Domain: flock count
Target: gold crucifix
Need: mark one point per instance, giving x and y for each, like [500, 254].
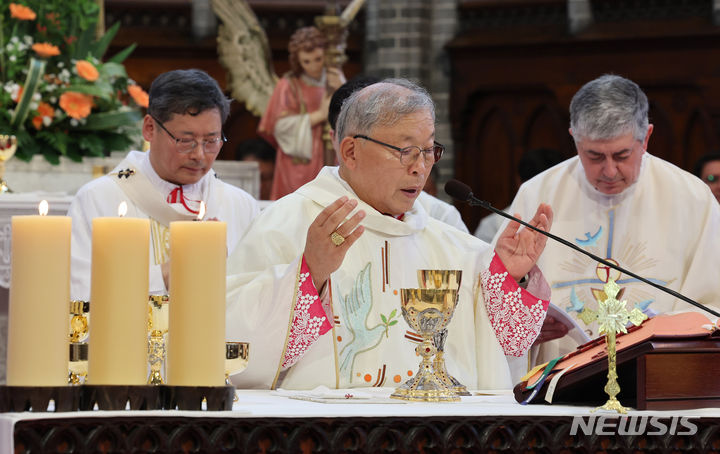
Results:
[612, 316]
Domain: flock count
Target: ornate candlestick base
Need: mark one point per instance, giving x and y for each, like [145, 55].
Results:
[78, 363]
[158, 310]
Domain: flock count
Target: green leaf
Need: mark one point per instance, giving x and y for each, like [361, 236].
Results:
[392, 314]
[100, 47]
[394, 322]
[99, 89]
[384, 320]
[111, 69]
[91, 143]
[123, 54]
[82, 46]
[110, 120]
[35, 73]
[116, 142]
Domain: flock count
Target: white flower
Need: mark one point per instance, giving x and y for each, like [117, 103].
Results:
[13, 58]
[74, 122]
[47, 121]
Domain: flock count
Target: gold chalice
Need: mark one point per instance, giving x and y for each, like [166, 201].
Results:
[427, 311]
[78, 363]
[443, 279]
[8, 146]
[158, 320]
[237, 355]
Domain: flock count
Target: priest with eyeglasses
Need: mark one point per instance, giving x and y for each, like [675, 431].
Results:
[167, 183]
[314, 285]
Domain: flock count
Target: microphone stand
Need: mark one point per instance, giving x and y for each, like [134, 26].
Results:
[474, 201]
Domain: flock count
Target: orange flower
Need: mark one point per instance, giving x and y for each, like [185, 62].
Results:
[21, 12]
[138, 95]
[44, 110]
[86, 70]
[45, 50]
[76, 105]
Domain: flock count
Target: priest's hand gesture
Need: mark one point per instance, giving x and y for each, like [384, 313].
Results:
[329, 237]
[520, 247]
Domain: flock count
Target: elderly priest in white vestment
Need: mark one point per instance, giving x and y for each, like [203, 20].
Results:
[183, 124]
[618, 201]
[314, 285]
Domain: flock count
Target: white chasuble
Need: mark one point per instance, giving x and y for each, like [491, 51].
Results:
[360, 338]
[135, 182]
[665, 228]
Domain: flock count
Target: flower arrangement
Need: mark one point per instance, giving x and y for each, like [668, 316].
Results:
[56, 94]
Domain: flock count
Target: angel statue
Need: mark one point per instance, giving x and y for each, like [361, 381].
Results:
[293, 108]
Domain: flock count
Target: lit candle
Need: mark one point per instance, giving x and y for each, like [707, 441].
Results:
[117, 351]
[196, 333]
[37, 345]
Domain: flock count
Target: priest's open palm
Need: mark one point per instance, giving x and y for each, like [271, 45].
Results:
[329, 237]
[520, 247]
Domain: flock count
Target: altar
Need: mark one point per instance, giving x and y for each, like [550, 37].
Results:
[267, 421]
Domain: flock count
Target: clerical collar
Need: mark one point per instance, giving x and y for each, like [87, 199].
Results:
[193, 191]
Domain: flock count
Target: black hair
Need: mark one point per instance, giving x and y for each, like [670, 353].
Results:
[186, 92]
[704, 159]
[256, 147]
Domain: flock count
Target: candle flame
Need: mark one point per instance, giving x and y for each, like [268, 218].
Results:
[43, 208]
[122, 209]
[201, 212]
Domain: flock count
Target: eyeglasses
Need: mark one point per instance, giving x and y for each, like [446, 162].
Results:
[408, 155]
[187, 145]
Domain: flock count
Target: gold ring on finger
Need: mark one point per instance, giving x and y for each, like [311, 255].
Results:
[336, 238]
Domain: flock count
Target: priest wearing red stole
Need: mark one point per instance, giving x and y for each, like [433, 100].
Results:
[314, 285]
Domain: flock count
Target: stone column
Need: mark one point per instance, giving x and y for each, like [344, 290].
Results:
[406, 38]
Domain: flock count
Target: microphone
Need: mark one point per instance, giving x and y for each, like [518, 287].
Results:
[462, 192]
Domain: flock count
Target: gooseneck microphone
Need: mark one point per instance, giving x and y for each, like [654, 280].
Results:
[463, 193]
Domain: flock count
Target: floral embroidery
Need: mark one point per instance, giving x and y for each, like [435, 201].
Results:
[515, 314]
[309, 319]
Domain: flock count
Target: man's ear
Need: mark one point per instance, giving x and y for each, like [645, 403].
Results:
[148, 128]
[348, 152]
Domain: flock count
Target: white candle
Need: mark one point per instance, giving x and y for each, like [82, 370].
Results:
[196, 334]
[117, 351]
[39, 301]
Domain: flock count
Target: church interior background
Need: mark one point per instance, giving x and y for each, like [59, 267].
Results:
[502, 72]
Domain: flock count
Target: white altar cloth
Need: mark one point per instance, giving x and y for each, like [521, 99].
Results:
[268, 404]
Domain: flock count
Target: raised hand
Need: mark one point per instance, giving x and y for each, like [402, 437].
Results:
[519, 248]
[329, 237]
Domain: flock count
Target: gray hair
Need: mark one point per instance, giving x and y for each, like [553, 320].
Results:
[383, 103]
[608, 107]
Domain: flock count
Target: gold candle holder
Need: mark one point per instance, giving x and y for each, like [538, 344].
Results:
[158, 316]
[443, 279]
[78, 363]
[427, 311]
[78, 334]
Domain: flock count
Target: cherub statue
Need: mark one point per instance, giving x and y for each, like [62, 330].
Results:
[294, 108]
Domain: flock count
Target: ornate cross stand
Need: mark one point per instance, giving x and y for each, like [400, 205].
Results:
[612, 317]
